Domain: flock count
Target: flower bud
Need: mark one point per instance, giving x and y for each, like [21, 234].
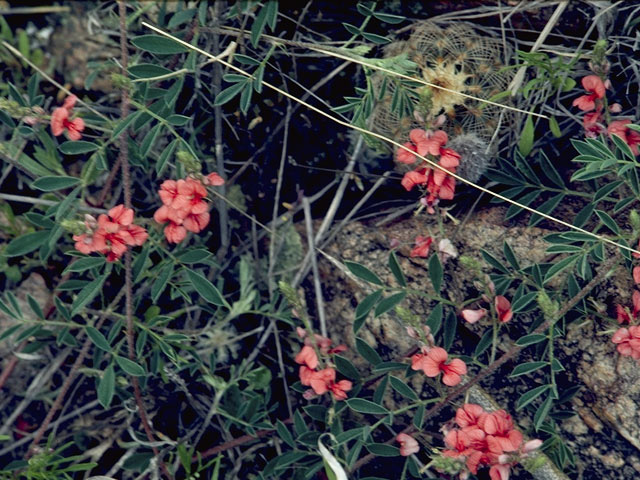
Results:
[74, 226]
[549, 308]
[191, 164]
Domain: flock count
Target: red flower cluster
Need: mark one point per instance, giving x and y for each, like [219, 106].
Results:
[185, 206]
[324, 380]
[432, 361]
[595, 88]
[593, 119]
[439, 185]
[111, 234]
[60, 120]
[486, 439]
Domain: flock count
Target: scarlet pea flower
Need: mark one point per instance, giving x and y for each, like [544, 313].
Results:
[630, 137]
[469, 415]
[636, 275]
[421, 248]
[413, 178]
[190, 197]
[119, 216]
[408, 444]
[214, 180]
[596, 89]
[339, 389]
[465, 443]
[435, 361]
[628, 342]
[432, 143]
[472, 316]
[196, 222]
[622, 313]
[439, 183]
[500, 472]
[592, 123]
[406, 157]
[501, 435]
[323, 381]
[307, 356]
[173, 232]
[60, 120]
[503, 309]
[486, 439]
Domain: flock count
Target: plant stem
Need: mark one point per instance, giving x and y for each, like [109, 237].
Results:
[494, 342]
[123, 158]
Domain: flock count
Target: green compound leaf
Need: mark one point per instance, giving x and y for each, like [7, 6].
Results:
[346, 368]
[229, 93]
[367, 352]
[383, 450]
[435, 272]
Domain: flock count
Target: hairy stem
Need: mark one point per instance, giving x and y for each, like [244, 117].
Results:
[123, 159]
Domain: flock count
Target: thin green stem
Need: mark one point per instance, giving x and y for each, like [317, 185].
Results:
[494, 342]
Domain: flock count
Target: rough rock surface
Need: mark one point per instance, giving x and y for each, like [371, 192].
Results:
[604, 431]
